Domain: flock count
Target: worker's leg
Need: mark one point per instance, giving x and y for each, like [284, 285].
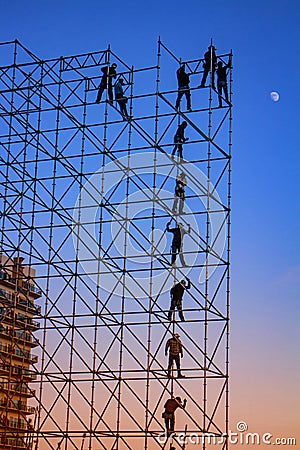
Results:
[171, 358]
[205, 73]
[110, 94]
[100, 92]
[188, 98]
[172, 309]
[179, 307]
[179, 146]
[125, 109]
[174, 209]
[181, 257]
[172, 423]
[177, 361]
[167, 425]
[174, 149]
[226, 92]
[181, 203]
[220, 94]
[120, 105]
[179, 97]
[213, 78]
[174, 252]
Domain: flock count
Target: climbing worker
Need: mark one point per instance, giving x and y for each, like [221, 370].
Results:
[121, 99]
[179, 193]
[109, 72]
[210, 64]
[174, 345]
[177, 292]
[177, 241]
[180, 139]
[169, 413]
[222, 81]
[183, 80]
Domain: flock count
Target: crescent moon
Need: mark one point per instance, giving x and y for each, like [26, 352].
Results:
[274, 96]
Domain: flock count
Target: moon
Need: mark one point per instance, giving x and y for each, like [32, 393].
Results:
[274, 96]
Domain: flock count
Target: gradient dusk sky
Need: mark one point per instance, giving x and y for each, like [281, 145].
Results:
[265, 39]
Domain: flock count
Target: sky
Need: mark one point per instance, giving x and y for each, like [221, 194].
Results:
[264, 37]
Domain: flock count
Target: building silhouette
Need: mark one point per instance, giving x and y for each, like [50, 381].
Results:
[17, 309]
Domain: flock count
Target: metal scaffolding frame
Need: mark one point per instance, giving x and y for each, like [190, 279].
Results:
[86, 198]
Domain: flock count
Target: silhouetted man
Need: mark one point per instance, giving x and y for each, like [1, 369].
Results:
[179, 139]
[183, 87]
[177, 241]
[222, 81]
[121, 99]
[179, 193]
[109, 72]
[169, 414]
[177, 292]
[210, 64]
[175, 348]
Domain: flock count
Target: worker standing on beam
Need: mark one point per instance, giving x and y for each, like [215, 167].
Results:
[177, 292]
[175, 348]
[177, 241]
[109, 72]
[179, 193]
[120, 97]
[183, 79]
[222, 81]
[209, 65]
[180, 139]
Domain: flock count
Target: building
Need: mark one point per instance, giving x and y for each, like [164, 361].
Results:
[17, 309]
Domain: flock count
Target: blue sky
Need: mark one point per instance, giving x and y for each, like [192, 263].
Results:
[264, 37]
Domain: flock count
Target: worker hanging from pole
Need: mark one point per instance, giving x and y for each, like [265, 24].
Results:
[177, 241]
[177, 292]
[180, 139]
[169, 413]
[222, 81]
[179, 193]
[121, 98]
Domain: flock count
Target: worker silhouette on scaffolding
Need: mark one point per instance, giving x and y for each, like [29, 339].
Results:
[180, 139]
[175, 348]
[210, 64]
[177, 292]
[222, 81]
[109, 72]
[183, 79]
[179, 193]
[121, 98]
[169, 413]
[177, 241]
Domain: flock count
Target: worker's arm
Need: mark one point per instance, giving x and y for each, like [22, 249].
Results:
[188, 286]
[181, 349]
[167, 346]
[181, 405]
[168, 227]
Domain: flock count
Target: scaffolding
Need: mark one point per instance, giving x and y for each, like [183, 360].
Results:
[87, 195]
